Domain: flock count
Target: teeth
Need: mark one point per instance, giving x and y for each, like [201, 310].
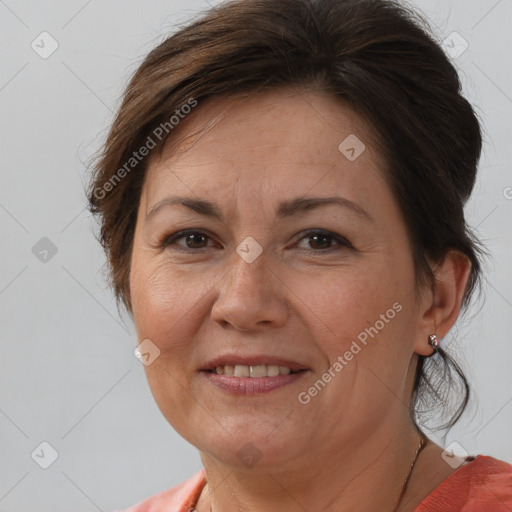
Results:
[262, 370]
[241, 371]
[272, 370]
[258, 371]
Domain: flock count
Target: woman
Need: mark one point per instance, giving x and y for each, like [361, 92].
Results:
[281, 202]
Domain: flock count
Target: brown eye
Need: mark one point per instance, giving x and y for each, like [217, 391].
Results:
[196, 240]
[192, 240]
[320, 241]
[324, 241]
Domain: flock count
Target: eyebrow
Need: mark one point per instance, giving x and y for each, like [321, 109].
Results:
[286, 208]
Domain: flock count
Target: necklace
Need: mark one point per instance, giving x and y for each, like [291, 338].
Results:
[407, 478]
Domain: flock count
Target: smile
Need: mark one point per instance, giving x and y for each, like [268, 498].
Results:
[254, 371]
[252, 380]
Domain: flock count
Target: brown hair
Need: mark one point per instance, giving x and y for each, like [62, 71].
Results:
[375, 55]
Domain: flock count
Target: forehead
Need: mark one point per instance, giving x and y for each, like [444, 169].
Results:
[277, 140]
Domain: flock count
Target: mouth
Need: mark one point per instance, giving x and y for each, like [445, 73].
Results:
[252, 376]
[253, 371]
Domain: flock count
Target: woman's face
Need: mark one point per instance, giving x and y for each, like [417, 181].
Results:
[264, 274]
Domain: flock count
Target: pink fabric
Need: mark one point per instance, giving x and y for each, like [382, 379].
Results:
[181, 498]
[483, 485]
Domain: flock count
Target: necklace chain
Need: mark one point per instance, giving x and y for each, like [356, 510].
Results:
[407, 478]
[409, 473]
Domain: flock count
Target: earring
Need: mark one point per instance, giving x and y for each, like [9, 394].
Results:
[433, 341]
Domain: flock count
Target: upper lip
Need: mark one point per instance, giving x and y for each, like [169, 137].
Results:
[255, 360]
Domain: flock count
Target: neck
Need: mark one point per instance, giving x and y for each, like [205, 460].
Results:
[365, 476]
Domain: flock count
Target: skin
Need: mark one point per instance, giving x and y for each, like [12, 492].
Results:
[351, 446]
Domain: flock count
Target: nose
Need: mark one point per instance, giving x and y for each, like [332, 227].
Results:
[251, 296]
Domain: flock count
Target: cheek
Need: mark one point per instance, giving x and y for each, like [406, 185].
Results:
[362, 314]
[348, 300]
[165, 311]
[166, 302]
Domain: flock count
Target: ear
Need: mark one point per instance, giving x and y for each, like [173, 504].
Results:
[440, 307]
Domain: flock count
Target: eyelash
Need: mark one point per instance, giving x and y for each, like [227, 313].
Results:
[342, 242]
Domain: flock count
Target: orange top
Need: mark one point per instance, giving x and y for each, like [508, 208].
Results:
[483, 485]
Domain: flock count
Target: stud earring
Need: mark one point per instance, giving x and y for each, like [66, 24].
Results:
[433, 341]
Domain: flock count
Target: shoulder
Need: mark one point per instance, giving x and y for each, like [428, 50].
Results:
[181, 498]
[483, 485]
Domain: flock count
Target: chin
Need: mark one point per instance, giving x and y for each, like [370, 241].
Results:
[248, 444]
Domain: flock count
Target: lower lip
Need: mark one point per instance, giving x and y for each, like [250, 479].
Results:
[252, 385]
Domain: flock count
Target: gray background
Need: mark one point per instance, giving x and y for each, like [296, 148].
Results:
[68, 375]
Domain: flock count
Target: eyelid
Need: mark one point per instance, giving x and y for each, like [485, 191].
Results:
[341, 240]
[168, 240]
